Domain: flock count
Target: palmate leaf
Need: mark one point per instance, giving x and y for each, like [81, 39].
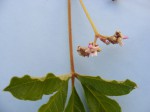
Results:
[110, 88]
[97, 102]
[74, 104]
[27, 88]
[57, 101]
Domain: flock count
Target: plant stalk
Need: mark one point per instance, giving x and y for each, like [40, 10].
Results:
[89, 18]
[70, 43]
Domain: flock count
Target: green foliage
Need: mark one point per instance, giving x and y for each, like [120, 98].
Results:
[96, 91]
[74, 104]
[56, 102]
[97, 102]
[110, 88]
[27, 88]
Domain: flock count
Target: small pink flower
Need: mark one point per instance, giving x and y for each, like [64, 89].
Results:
[125, 37]
[107, 42]
[104, 40]
[89, 46]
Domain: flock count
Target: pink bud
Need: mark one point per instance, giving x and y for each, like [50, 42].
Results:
[90, 46]
[107, 41]
[125, 37]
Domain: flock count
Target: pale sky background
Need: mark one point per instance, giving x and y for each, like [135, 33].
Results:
[34, 40]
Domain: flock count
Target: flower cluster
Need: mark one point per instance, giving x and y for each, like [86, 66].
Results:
[115, 39]
[91, 50]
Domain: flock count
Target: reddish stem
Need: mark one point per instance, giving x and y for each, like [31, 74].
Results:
[70, 43]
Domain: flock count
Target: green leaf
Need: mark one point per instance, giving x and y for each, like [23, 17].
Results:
[110, 88]
[27, 88]
[74, 104]
[97, 102]
[56, 102]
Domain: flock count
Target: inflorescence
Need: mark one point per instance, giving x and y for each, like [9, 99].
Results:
[93, 48]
